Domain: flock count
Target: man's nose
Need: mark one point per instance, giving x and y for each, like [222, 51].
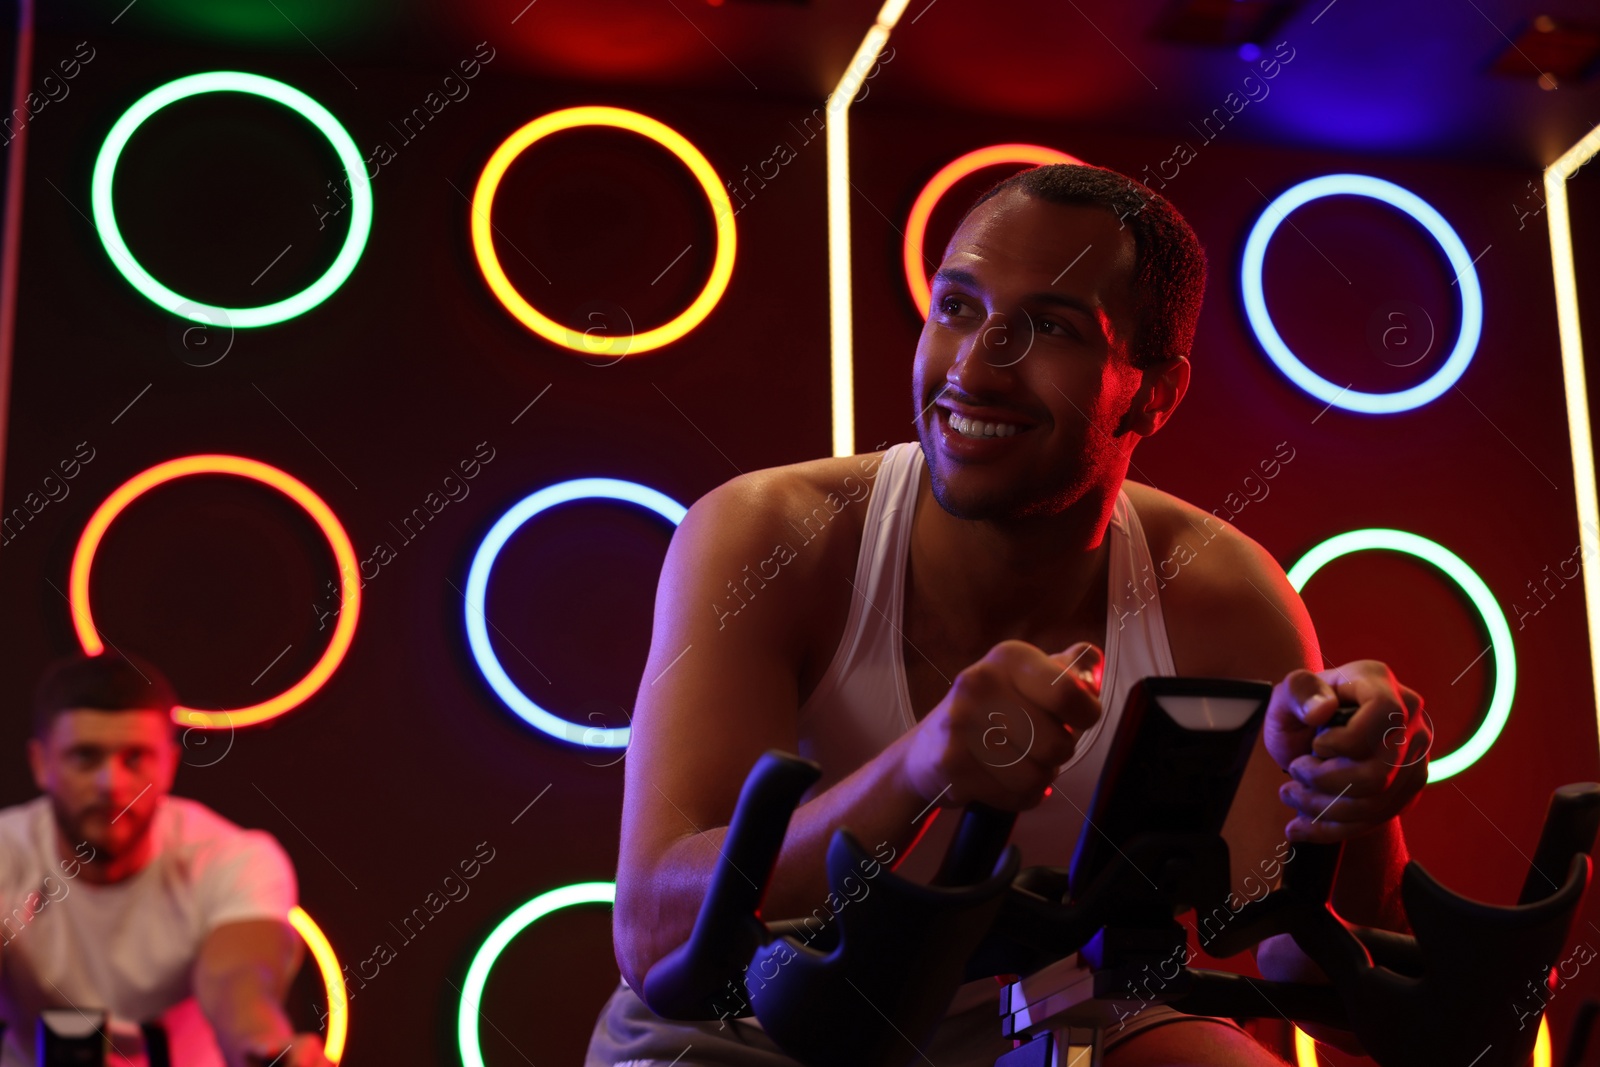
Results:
[986, 354]
[115, 780]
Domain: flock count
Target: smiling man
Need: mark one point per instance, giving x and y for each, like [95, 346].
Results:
[971, 632]
[120, 898]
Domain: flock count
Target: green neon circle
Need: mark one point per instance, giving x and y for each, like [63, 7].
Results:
[231, 81]
[1494, 620]
[496, 942]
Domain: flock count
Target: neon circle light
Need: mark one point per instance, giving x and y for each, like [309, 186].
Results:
[541, 324]
[345, 556]
[512, 925]
[1255, 301]
[940, 183]
[229, 81]
[332, 981]
[1494, 620]
[478, 585]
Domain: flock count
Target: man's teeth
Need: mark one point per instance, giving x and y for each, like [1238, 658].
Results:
[974, 428]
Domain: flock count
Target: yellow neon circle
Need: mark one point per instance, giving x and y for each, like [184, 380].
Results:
[552, 331]
[940, 183]
[344, 554]
[332, 982]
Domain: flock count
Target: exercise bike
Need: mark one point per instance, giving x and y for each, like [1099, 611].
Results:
[1081, 944]
[73, 1038]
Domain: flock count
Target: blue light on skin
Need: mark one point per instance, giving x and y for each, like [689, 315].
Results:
[1466, 278]
[478, 586]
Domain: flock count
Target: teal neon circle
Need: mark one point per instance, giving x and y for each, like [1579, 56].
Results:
[1494, 620]
[512, 925]
[230, 81]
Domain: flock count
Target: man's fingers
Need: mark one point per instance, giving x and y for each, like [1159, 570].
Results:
[1066, 685]
[1351, 811]
[1338, 774]
[1083, 660]
[1311, 697]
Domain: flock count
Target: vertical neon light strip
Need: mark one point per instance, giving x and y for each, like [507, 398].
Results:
[1578, 429]
[837, 108]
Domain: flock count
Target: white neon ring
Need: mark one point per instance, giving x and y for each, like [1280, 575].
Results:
[478, 586]
[1255, 302]
[1476, 590]
[232, 81]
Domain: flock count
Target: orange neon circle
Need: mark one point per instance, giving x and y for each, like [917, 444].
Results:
[332, 982]
[940, 183]
[294, 489]
[588, 342]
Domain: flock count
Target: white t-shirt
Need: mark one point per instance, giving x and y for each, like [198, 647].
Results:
[127, 948]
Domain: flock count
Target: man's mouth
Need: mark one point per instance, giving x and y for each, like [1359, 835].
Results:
[978, 428]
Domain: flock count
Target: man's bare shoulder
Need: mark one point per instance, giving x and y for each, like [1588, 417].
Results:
[816, 501]
[1223, 595]
[1194, 539]
[812, 509]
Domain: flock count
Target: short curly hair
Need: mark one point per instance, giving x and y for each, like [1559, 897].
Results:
[107, 682]
[1169, 281]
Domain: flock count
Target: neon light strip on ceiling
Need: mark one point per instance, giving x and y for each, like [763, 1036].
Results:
[590, 342]
[1494, 620]
[332, 982]
[840, 323]
[230, 81]
[344, 555]
[478, 588]
[1466, 278]
[1579, 432]
[952, 172]
[483, 960]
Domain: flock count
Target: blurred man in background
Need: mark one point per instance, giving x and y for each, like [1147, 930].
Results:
[119, 898]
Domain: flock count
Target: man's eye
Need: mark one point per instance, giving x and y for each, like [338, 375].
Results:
[950, 306]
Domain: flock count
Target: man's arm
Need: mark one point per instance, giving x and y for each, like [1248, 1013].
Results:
[1238, 617]
[240, 979]
[721, 686]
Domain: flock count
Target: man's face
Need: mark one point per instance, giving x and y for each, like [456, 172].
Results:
[105, 773]
[1028, 328]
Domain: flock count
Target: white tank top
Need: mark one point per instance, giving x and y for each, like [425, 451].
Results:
[863, 703]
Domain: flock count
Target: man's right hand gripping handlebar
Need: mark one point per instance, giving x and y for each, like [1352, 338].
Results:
[1006, 727]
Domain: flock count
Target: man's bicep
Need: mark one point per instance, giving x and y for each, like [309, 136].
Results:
[721, 682]
[1246, 621]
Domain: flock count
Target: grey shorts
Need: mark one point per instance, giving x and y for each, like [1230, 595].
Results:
[628, 1034]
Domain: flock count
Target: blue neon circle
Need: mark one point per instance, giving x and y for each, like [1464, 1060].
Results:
[1255, 302]
[478, 585]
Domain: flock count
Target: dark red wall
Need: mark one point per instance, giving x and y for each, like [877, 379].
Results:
[406, 761]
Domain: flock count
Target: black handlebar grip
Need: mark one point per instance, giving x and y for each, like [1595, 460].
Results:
[156, 1050]
[979, 840]
[685, 983]
[1570, 826]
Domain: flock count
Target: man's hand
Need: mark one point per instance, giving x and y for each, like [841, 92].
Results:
[305, 1051]
[1003, 731]
[1348, 780]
